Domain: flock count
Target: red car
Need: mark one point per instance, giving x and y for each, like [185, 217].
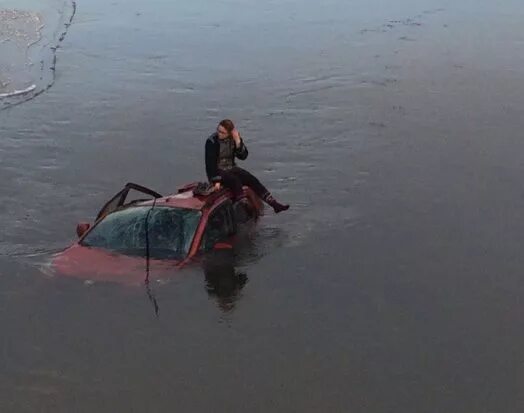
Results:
[155, 233]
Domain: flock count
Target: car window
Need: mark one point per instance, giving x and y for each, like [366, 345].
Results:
[220, 226]
[169, 231]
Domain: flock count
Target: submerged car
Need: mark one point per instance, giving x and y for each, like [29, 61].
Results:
[155, 233]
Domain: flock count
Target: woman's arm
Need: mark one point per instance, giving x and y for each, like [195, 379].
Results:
[240, 148]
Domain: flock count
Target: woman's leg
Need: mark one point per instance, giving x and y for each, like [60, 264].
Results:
[252, 181]
[233, 182]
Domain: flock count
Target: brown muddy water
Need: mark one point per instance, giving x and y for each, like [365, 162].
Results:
[394, 284]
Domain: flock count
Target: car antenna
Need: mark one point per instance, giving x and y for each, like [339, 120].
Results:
[149, 292]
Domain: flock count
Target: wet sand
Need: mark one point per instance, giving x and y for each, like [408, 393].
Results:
[31, 32]
[392, 285]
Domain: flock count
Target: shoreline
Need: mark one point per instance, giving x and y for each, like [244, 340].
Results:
[42, 61]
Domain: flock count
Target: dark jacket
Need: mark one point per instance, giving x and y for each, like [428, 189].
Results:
[212, 153]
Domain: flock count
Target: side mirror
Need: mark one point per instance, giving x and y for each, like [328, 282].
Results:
[222, 246]
[82, 228]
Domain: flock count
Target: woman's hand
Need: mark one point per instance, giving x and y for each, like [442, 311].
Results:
[236, 137]
[217, 186]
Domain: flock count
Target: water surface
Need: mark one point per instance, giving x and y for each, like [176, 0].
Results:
[392, 285]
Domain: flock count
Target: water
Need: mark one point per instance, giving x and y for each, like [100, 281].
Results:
[392, 285]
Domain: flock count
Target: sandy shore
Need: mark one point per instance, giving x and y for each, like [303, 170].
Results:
[30, 33]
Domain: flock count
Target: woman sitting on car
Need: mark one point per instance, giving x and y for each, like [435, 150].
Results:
[222, 147]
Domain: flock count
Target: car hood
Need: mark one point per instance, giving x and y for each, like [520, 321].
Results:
[95, 264]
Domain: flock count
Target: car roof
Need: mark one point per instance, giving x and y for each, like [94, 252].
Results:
[185, 198]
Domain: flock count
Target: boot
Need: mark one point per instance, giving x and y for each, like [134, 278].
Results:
[277, 206]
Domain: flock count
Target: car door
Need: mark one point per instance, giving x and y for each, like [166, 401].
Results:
[130, 193]
[243, 213]
[220, 226]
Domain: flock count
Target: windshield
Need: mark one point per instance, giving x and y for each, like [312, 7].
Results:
[170, 232]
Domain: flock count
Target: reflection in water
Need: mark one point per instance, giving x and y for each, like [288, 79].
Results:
[223, 281]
